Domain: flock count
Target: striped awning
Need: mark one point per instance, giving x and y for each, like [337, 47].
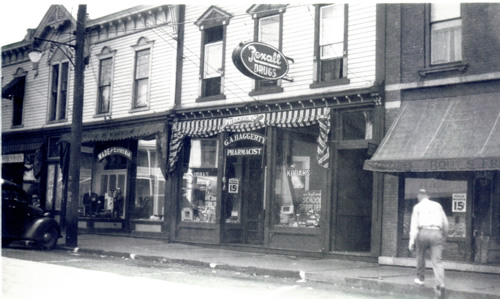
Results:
[289, 119]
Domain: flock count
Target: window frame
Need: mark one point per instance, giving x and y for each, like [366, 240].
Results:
[431, 23]
[442, 68]
[317, 82]
[258, 87]
[105, 54]
[213, 17]
[143, 44]
[202, 97]
[57, 107]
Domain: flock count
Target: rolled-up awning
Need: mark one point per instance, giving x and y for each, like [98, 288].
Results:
[121, 133]
[15, 88]
[443, 134]
[288, 119]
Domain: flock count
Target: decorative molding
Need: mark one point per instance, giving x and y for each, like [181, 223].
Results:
[444, 81]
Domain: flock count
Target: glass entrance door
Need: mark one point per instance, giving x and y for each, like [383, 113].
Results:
[245, 196]
[243, 189]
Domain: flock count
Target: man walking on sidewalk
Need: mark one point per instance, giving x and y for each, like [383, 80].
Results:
[428, 230]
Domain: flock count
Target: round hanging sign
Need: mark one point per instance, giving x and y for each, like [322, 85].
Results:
[260, 61]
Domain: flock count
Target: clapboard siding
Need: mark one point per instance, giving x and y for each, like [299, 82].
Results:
[162, 74]
[298, 43]
[162, 77]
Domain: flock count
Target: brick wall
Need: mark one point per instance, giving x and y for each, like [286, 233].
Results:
[390, 202]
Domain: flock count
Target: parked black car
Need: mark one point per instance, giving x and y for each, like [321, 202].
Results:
[23, 221]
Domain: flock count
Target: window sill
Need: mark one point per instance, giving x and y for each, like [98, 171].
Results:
[135, 110]
[102, 115]
[263, 91]
[17, 126]
[51, 122]
[340, 81]
[441, 69]
[211, 98]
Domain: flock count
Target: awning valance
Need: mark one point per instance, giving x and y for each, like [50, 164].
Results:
[14, 88]
[121, 133]
[443, 134]
[247, 123]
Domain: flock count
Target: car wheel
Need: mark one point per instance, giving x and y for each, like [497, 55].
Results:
[49, 238]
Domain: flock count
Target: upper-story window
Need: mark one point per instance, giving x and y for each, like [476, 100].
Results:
[212, 62]
[142, 73]
[446, 33]
[105, 82]
[330, 45]
[268, 29]
[213, 43]
[14, 90]
[58, 91]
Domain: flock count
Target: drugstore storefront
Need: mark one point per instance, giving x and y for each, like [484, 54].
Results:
[270, 179]
[122, 183]
[449, 146]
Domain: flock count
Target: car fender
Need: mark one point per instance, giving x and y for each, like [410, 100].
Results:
[39, 226]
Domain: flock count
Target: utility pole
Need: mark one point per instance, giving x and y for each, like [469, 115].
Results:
[76, 133]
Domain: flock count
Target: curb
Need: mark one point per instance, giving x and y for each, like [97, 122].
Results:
[347, 282]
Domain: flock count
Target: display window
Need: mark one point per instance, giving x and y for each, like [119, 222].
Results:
[53, 199]
[299, 179]
[150, 185]
[199, 182]
[450, 192]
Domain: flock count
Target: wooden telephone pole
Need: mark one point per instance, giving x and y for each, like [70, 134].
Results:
[76, 133]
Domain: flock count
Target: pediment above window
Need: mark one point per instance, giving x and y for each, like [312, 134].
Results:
[214, 16]
[262, 10]
[58, 56]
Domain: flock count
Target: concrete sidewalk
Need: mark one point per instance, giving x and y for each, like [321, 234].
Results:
[371, 276]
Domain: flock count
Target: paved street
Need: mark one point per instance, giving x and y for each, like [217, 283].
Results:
[59, 274]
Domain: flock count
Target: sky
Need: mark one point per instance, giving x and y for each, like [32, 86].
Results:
[16, 16]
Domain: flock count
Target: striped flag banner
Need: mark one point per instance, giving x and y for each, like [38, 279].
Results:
[284, 119]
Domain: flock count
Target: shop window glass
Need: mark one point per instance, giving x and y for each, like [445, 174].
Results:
[54, 188]
[88, 198]
[149, 197]
[109, 185]
[299, 179]
[30, 182]
[199, 182]
[450, 193]
[357, 125]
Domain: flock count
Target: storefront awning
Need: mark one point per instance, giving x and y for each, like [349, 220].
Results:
[442, 134]
[127, 132]
[247, 123]
[14, 88]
